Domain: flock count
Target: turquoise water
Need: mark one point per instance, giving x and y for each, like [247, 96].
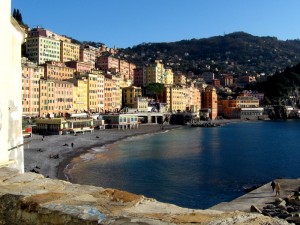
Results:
[197, 167]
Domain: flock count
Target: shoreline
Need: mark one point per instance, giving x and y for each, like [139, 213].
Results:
[37, 151]
[50, 155]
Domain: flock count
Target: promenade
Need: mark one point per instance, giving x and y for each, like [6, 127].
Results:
[259, 197]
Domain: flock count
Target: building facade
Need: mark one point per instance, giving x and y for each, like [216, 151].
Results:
[11, 144]
[58, 71]
[210, 102]
[42, 45]
[153, 73]
[69, 51]
[131, 95]
[31, 74]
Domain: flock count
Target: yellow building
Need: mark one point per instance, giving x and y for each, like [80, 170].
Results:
[95, 90]
[179, 79]
[69, 51]
[47, 89]
[193, 99]
[56, 97]
[130, 96]
[154, 73]
[91, 91]
[175, 98]
[80, 94]
[169, 77]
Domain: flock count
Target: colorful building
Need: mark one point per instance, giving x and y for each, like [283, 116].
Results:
[154, 73]
[210, 102]
[81, 67]
[168, 76]
[112, 93]
[31, 74]
[69, 51]
[179, 79]
[58, 71]
[130, 96]
[108, 63]
[193, 99]
[88, 54]
[56, 97]
[138, 77]
[42, 45]
[80, 97]
[175, 98]
[231, 108]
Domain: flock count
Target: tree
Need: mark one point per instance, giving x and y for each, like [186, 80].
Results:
[155, 88]
[18, 16]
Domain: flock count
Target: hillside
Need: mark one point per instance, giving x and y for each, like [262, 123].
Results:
[234, 53]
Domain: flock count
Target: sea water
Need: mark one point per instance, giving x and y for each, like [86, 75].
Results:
[196, 167]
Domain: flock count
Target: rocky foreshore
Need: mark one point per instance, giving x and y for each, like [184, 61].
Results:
[287, 208]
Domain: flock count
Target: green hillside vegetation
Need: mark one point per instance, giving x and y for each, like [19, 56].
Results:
[281, 88]
[235, 53]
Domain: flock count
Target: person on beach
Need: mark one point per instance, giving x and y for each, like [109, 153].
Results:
[277, 189]
[273, 185]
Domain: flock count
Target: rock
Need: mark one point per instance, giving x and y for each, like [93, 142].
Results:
[278, 201]
[290, 209]
[282, 205]
[254, 208]
[294, 202]
[297, 193]
[295, 220]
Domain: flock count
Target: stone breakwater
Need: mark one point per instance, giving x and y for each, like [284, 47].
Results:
[32, 199]
[287, 208]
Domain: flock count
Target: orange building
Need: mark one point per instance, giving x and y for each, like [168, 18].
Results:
[58, 71]
[232, 108]
[210, 102]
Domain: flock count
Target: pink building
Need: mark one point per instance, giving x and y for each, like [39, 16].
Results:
[88, 54]
[107, 63]
[83, 67]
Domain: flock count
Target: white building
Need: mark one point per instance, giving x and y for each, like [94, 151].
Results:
[11, 139]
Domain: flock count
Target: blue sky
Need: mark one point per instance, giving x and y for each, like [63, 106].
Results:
[124, 23]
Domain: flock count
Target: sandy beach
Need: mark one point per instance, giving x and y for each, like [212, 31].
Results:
[49, 155]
